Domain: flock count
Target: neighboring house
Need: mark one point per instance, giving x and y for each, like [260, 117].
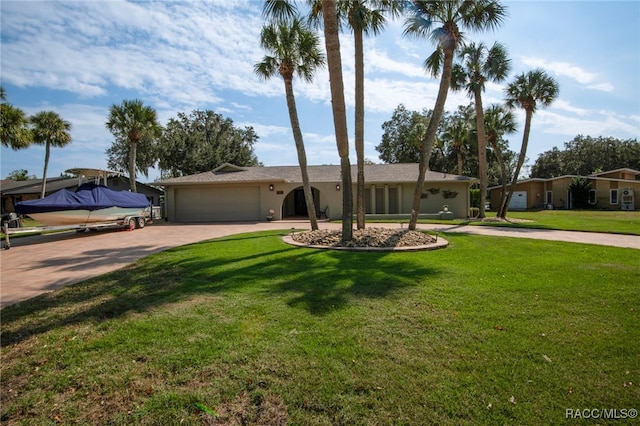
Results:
[612, 190]
[232, 193]
[22, 190]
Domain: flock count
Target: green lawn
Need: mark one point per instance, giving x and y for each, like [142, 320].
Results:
[618, 222]
[613, 222]
[488, 331]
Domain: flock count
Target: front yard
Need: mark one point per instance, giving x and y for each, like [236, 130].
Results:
[488, 331]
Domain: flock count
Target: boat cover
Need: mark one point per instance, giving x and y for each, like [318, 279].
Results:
[88, 196]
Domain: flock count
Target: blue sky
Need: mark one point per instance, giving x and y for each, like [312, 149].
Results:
[78, 58]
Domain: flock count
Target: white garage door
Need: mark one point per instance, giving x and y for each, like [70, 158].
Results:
[217, 204]
[518, 201]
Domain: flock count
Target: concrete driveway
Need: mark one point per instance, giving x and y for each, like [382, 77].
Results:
[39, 264]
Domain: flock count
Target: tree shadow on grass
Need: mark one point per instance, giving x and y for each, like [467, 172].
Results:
[318, 281]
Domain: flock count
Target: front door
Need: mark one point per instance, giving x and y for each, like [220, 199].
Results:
[300, 205]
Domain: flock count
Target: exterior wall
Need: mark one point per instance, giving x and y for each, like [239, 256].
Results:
[536, 193]
[396, 198]
[560, 193]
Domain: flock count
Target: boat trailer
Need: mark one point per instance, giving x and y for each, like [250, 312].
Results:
[128, 222]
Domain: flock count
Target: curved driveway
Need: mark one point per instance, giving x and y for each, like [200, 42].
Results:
[38, 264]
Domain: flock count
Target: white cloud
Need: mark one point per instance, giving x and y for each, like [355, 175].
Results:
[594, 125]
[574, 72]
[566, 106]
[379, 61]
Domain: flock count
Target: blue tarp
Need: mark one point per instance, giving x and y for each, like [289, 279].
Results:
[87, 197]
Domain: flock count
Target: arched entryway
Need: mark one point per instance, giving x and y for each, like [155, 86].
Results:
[294, 205]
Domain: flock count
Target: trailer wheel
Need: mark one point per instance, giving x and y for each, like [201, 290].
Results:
[132, 224]
[141, 222]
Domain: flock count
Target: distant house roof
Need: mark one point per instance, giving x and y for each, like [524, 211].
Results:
[599, 176]
[622, 170]
[34, 186]
[374, 173]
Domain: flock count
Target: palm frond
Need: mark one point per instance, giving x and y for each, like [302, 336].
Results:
[433, 64]
[279, 10]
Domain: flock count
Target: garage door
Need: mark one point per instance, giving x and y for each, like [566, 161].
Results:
[518, 201]
[217, 204]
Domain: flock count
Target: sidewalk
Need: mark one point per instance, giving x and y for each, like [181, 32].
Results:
[39, 264]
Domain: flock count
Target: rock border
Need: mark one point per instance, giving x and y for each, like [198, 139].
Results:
[440, 243]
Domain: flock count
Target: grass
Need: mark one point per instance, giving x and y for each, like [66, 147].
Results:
[612, 222]
[488, 331]
[617, 222]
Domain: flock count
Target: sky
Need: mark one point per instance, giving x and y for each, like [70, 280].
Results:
[78, 58]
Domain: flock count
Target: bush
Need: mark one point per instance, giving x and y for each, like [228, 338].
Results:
[580, 188]
[475, 197]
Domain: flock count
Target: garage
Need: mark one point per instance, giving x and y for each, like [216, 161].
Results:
[518, 201]
[207, 204]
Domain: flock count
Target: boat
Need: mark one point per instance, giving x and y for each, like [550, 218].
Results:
[91, 203]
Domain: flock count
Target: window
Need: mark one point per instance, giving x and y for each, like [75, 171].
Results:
[548, 197]
[613, 196]
[592, 196]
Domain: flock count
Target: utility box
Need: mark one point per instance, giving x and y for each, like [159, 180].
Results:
[627, 201]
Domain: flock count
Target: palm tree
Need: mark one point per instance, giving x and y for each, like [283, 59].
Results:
[481, 64]
[133, 121]
[453, 16]
[285, 9]
[499, 121]
[527, 91]
[364, 19]
[294, 50]
[455, 134]
[336, 84]
[14, 132]
[49, 129]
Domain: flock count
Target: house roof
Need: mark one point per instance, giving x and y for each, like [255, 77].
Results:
[374, 173]
[624, 169]
[596, 176]
[34, 186]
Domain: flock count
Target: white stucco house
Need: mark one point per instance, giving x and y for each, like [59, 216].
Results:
[232, 193]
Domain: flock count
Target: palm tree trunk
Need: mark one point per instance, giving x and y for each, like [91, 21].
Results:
[302, 156]
[47, 151]
[359, 119]
[503, 171]
[430, 135]
[482, 152]
[132, 166]
[459, 158]
[521, 158]
[336, 84]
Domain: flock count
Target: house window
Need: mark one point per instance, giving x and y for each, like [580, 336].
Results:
[393, 200]
[380, 200]
[592, 196]
[613, 196]
[548, 197]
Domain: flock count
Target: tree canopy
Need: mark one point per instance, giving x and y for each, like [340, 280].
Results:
[404, 132]
[137, 123]
[203, 140]
[20, 174]
[585, 155]
[14, 130]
